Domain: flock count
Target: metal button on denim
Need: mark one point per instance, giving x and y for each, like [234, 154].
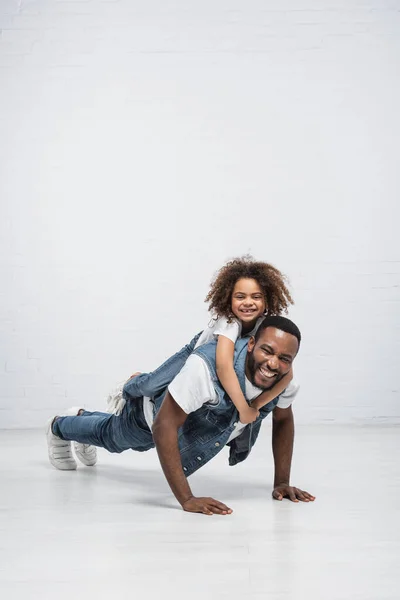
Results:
[199, 458]
[185, 468]
[217, 443]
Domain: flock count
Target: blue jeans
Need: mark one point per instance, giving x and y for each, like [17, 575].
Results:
[128, 430]
[117, 433]
[151, 384]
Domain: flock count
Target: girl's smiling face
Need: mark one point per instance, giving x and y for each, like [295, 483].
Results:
[248, 301]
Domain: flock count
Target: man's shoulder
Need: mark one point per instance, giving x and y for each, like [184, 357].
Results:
[193, 386]
[193, 362]
[192, 375]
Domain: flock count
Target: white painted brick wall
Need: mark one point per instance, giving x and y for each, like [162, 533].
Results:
[144, 143]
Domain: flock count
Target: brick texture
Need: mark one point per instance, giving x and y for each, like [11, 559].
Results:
[142, 144]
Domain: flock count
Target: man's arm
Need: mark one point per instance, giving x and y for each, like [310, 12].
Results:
[282, 448]
[165, 434]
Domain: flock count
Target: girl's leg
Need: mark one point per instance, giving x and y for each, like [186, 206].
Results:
[150, 384]
[86, 413]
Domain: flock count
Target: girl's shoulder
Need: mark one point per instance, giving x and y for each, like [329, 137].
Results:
[225, 322]
[219, 325]
[230, 328]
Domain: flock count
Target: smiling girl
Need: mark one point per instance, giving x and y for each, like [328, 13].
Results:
[242, 293]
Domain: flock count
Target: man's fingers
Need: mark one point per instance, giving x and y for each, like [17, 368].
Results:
[217, 511]
[220, 505]
[301, 496]
[220, 510]
[207, 511]
[206, 506]
[309, 496]
[294, 494]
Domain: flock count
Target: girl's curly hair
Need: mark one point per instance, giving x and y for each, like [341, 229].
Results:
[271, 281]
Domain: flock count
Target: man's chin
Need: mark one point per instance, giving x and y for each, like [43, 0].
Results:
[266, 385]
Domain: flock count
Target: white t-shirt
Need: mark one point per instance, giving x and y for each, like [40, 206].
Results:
[193, 387]
[220, 326]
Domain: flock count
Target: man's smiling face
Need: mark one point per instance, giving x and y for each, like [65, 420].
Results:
[271, 357]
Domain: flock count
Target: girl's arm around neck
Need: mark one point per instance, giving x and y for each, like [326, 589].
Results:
[227, 376]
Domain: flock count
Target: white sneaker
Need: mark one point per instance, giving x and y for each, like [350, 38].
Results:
[86, 453]
[60, 452]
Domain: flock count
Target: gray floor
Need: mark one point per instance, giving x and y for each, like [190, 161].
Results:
[114, 531]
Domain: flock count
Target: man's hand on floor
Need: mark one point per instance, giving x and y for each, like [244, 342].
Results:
[207, 506]
[294, 494]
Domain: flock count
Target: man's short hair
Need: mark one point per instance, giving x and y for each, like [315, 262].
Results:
[281, 323]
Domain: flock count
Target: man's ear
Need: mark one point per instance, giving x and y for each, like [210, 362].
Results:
[251, 344]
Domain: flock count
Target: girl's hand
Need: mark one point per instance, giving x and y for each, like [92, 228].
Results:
[248, 415]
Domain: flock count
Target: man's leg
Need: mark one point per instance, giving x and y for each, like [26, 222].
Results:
[86, 453]
[59, 446]
[59, 451]
[114, 433]
[89, 428]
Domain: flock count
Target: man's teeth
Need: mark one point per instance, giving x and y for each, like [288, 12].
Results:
[267, 373]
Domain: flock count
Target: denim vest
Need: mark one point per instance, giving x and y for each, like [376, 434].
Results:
[207, 430]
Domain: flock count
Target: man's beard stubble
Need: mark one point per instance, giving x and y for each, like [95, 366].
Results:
[252, 366]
